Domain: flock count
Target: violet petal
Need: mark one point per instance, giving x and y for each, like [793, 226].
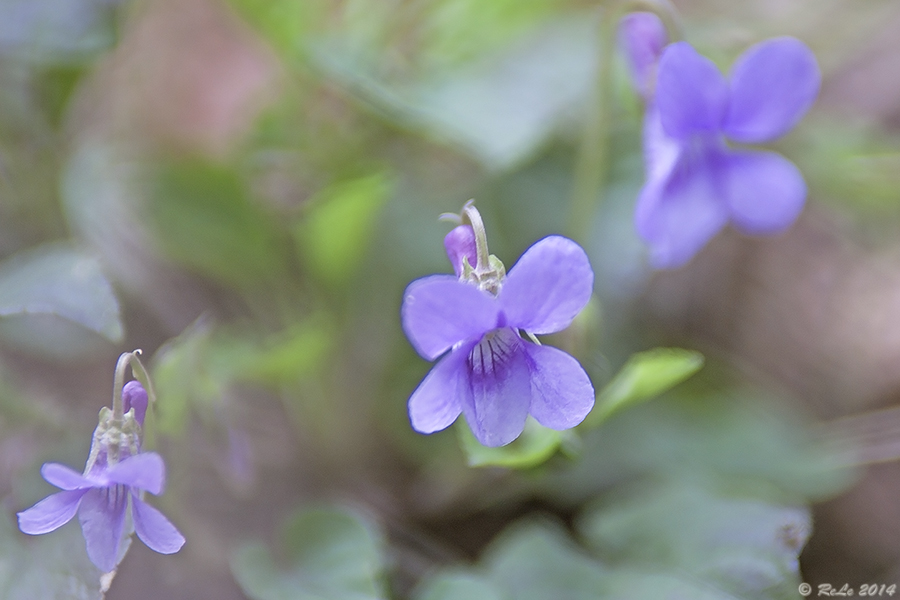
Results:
[661, 152]
[691, 93]
[154, 528]
[497, 397]
[773, 84]
[440, 311]
[51, 513]
[459, 244]
[547, 287]
[764, 191]
[642, 37]
[562, 394]
[436, 403]
[102, 516]
[65, 477]
[145, 471]
[677, 215]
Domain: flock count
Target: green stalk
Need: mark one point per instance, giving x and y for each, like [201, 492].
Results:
[592, 166]
[592, 163]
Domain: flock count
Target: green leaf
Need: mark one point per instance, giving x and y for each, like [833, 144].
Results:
[284, 23]
[56, 279]
[330, 553]
[457, 586]
[644, 376]
[285, 357]
[531, 560]
[194, 370]
[206, 220]
[458, 30]
[737, 436]
[535, 561]
[636, 584]
[57, 31]
[479, 106]
[744, 545]
[54, 566]
[182, 379]
[534, 447]
[335, 235]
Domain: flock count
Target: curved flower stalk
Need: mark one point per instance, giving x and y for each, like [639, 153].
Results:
[696, 183]
[108, 496]
[487, 371]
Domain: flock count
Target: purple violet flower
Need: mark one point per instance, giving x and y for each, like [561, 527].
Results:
[696, 183]
[490, 374]
[108, 497]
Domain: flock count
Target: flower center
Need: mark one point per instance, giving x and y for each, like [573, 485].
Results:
[114, 495]
[492, 352]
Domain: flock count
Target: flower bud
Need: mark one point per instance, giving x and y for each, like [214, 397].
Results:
[460, 244]
[642, 36]
[134, 396]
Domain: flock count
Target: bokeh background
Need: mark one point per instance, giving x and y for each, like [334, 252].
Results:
[243, 189]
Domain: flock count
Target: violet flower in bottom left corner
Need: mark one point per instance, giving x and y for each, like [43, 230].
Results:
[103, 498]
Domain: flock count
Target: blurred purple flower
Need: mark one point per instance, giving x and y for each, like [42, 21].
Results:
[106, 495]
[695, 183]
[101, 499]
[490, 374]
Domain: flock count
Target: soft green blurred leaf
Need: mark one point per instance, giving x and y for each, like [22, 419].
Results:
[458, 586]
[55, 31]
[644, 376]
[537, 561]
[195, 369]
[288, 356]
[284, 23]
[853, 166]
[205, 219]
[536, 444]
[741, 436]
[182, 379]
[54, 566]
[746, 546]
[653, 585]
[688, 544]
[335, 234]
[330, 553]
[456, 31]
[56, 279]
[500, 108]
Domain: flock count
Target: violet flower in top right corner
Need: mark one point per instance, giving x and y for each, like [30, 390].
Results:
[695, 182]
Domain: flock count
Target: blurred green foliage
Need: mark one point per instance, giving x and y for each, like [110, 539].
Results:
[52, 568]
[298, 239]
[645, 375]
[328, 552]
[336, 232]
[206, 220]
[58, 280]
